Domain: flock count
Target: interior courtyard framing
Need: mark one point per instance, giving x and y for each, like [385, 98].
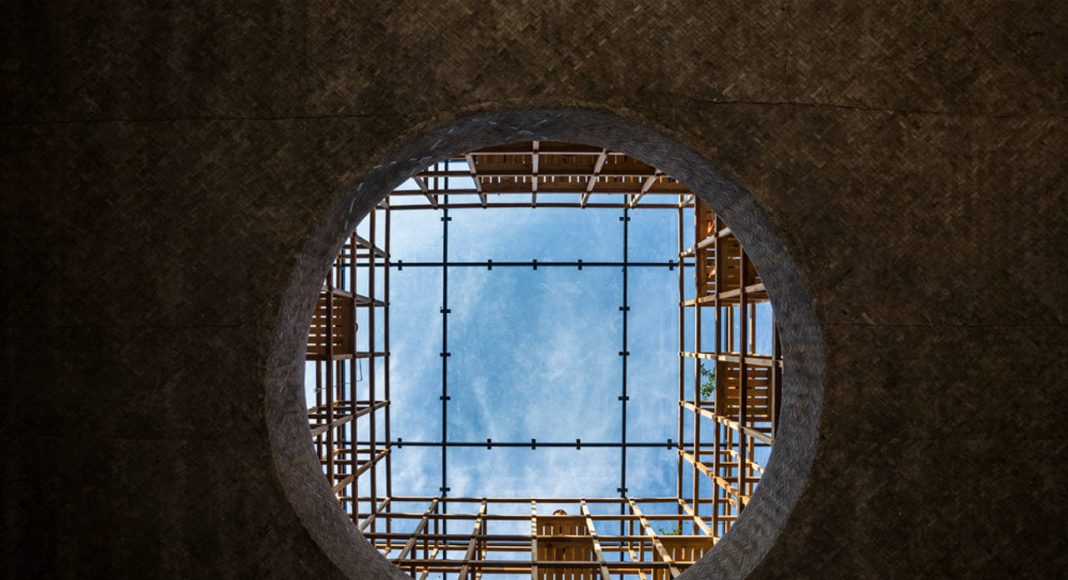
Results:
[716, 436]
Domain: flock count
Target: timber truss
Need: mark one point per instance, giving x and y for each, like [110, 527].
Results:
[728, 393]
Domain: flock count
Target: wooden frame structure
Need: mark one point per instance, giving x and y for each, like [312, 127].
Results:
[719, 433]
[335, 353]
[743, 412]
[541, 174]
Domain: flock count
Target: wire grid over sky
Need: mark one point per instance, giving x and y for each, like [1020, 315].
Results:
[534, 353]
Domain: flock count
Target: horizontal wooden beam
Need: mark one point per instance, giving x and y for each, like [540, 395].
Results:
[520, 566]
[770, 440]
[547, 204]
[526, 171]
[527, 500]
[751, 360]
[318, 430]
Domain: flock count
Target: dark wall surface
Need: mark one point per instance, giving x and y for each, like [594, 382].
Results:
[164, 166]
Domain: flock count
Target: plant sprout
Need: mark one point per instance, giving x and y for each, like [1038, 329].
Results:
[708, 388]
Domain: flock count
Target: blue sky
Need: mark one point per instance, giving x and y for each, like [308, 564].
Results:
[535, 354]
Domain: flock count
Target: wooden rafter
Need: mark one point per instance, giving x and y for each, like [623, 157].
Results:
[649, 181]
[382, 507]
[597, 167]
[469, 555]
[598, 552]
[419, 529]
[534, 175]
[700, 523]
[664, 554]
[474, 178]
[421, 182]
[732, 492]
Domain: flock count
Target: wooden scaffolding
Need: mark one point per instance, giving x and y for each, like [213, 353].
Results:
[735, 395]
[335, 353]
[728, 392]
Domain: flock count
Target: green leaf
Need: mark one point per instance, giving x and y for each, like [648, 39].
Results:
[708, 388]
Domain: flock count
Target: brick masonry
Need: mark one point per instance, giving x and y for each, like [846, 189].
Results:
[173, 179]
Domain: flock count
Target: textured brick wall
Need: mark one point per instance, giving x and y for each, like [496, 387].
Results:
[169, 174]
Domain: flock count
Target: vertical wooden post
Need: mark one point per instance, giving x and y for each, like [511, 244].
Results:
[386, 385]
[682, 348]
[720, 397]
[330, 371]
[351, 396]
[533, 540]
[372, 360]
[700, 275]
[743, 373]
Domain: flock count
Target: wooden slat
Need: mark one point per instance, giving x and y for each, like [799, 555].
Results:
[720, 481]
[549, 173]
[544, 204]
[418, 530]
[534, 175]
[349, 478]
[596, 543]
[474, 178]
[770, 440]
[421, 182]
[525, 566]
[318, 430]
[649, 181]
[664, 555]
[593, 178]
[534, 539]
[697, 519]
[470, 553]
[367, 245]
[752, 360]
[382, 507]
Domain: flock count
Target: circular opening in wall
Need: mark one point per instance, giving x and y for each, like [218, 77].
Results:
[543, 358]
[428, 533]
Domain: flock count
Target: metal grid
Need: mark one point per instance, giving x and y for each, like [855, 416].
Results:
[727, 425]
